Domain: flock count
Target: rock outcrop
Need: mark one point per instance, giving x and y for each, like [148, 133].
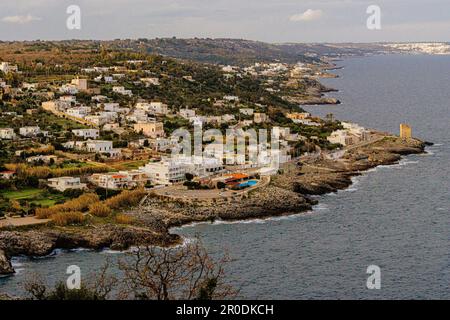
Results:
[5, 264]
[43, 242]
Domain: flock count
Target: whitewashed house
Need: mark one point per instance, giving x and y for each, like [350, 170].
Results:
[86, 133]
[6, 67]
[246, 111]
[122, 90]
[187, 113]
[97, 120]
[7, 133]
[94, 146]
[64, 183]
[120, 180]
[31, 131]
[165, 172]
[79, 112]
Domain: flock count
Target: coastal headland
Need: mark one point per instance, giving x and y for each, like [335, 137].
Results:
[287, 193]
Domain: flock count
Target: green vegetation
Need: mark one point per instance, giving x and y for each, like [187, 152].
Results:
[38, 197]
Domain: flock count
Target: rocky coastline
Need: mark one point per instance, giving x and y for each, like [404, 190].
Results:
[288, 193]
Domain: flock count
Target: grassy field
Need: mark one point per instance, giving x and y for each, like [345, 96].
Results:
[21, 194]
[33, 195]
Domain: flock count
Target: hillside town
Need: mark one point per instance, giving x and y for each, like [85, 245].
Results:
[98, 130]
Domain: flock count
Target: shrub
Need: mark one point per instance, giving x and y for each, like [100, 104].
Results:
[99, 209]
[43, 172]
[124, 219]
[105, 194]
[126, 199]
[73, 193]
[81, 204]
[221, 185]
[68, 218]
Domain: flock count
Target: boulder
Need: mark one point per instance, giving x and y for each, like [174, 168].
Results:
[5, 264]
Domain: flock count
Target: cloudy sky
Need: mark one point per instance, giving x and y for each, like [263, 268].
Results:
[265, 20]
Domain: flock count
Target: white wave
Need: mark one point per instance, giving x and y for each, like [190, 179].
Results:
[372, 170]
[18, 271]
[80, 250]
[406, 162]
[110, 251]
[321, 207]
[246, 221]
[16, 264]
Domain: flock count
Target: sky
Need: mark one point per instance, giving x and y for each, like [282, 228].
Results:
[272, 21]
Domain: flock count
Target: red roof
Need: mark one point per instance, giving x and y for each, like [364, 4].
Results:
[119, 176]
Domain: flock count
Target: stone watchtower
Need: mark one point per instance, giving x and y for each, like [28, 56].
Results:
[405, 131]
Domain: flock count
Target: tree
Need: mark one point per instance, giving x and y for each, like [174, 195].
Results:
[221, 185]
[189, 176]
[187, 273]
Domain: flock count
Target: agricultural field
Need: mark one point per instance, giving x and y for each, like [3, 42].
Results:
[38, 197]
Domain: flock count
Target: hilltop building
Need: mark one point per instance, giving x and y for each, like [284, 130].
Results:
[405, 131]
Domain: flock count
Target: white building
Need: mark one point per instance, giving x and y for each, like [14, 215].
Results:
[79, 112]
[69, 89]
[110, 106]
[56, 105]
[80, 84]
[7, 133]
[64, 183]
[86, 133]
[246, 111]
[342, 137]
[69, 99]
[111, 116]
[197, 121]
[173, 170]
[120, 180]
[138, 115]
[161, 144]
[99, 98]
[231, 98]
[228, 118]
[187, 113]
[29, 86]
[95, 146]
[42, 158]
[97, 120]
[156, 108]
[351, 134]
[6, 67]
[259, 117]
[121, 90]
[150, 81]
[357, 130]
[165, 172]
[31, 131]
